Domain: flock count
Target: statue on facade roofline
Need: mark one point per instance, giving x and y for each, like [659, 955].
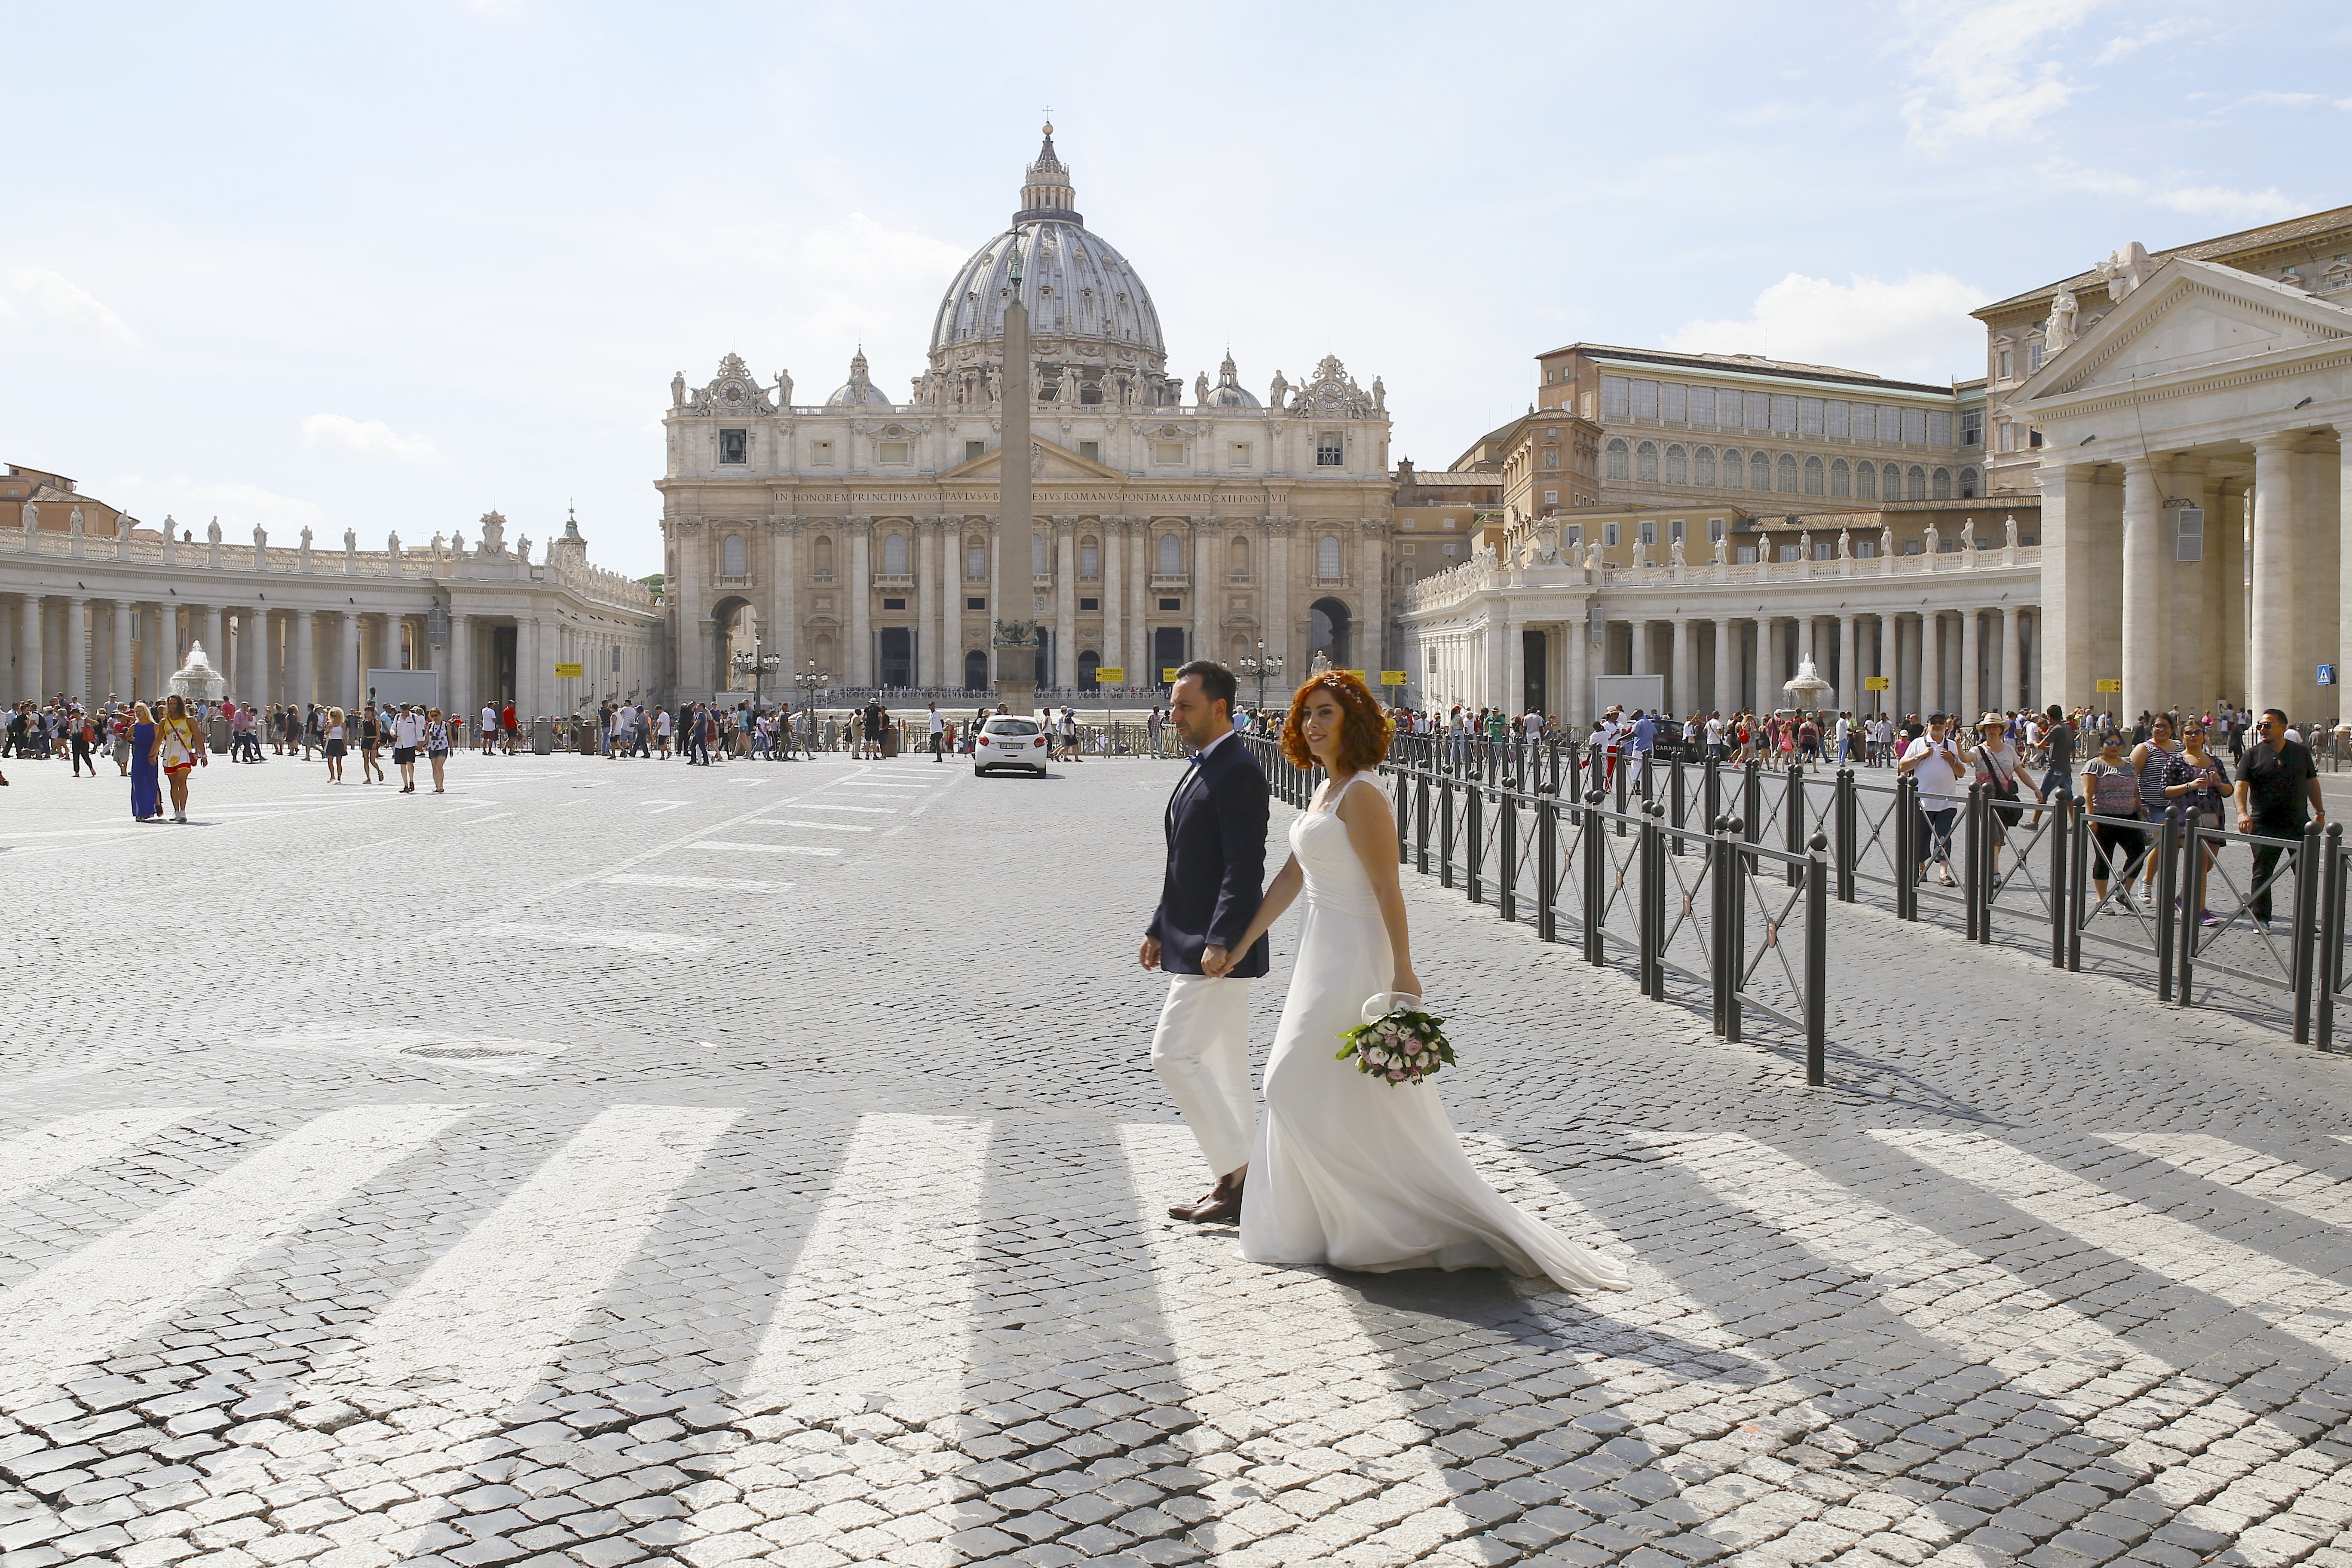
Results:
[2009, 526]
[1845, 545]
[351, 539]
[305, 536]
[2060, 329]
[260, 537]
[1886, 542]
[1280, 390]
[212, 530]
[678, 390]
[783, 389]
[1723, 548]
[522, 547]
[1674, 553]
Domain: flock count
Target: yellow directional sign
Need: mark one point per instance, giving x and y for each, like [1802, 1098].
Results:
[1359, 675]
[1393, 678]
[2111, 686]
[1114, 673]
[1873, 683]
[563, 669]
[1168, 672]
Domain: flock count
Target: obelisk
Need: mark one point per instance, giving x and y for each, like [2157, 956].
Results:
[1016, 604]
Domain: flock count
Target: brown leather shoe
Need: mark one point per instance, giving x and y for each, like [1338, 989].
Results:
[1222, 1207]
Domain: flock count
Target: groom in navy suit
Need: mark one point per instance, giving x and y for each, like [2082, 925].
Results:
[1215, 825]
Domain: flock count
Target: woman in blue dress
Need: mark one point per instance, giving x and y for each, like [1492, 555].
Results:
[146, 783]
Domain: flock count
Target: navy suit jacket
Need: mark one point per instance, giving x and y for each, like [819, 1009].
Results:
[1215, 823]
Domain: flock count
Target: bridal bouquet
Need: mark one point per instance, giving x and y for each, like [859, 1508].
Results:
[1400, 1044]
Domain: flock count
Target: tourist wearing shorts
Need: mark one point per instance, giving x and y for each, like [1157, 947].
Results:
[334, 744]
[407, 734]
[437, 745]
[2001, 770]
[2111, 787]
[1934, 763]
[179, 750]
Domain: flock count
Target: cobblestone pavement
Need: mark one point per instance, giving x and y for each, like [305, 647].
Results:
[618, 1162]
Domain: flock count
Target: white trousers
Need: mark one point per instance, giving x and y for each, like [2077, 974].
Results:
[1201, 1052]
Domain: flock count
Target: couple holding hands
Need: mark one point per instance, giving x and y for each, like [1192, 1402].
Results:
[1349, 1168]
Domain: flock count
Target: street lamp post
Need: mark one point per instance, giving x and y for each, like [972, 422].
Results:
[759, 664]
[810, 681]
[1261, 664]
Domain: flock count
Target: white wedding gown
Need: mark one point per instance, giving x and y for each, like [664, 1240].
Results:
[1354, 1170]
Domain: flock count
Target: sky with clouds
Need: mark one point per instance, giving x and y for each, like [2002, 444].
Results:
[389, 266]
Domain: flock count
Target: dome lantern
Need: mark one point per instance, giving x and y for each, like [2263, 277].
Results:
[1047, 193]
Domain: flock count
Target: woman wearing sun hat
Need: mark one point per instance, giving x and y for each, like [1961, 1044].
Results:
[2000, 768]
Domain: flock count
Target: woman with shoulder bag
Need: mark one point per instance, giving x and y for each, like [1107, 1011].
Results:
[2001, 770]
[2196, 781]
[2111, 788]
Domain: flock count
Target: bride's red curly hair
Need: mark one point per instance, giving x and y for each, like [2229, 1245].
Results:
[1364, 729]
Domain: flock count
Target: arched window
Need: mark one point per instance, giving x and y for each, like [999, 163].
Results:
[894, 555]
[1171, 555]
[731, 556]
[1918, 482]
[821, 555]
[1618, 453]
[1646, 461]
[1969, 483]
[1702, 464]
[1735, 469]
[1089, 558]
[1677, 466]
[1237, 559]
[1759, 472]
[1943, 485]
[975, 557]
[1865, 481]
[1840, 479]
[1788, 474]
[1813, 485]
[1327, 557]
[1893, 487]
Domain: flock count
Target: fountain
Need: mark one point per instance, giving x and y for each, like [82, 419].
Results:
[197, 679]
[1807, 690]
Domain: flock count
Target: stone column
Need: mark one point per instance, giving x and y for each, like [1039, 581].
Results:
[1638, 661]
[1513, 679]
[1726, 697]
[2012, 659]
[29, 681]
[78, 648]
[1884, 662]
[1114, 626]
[302, 676]
[1278, 616]
[929, 636]
[1849, 680]
[457, 686]
[1680, 695]
[2270, 668]
[786, 593]
[2146, 598]
[120, 673]
[860, 592]
[1929, 661]
[1971, 661]
[1205, 601]
[1576, 703]
[216, 637]
[1065, 603]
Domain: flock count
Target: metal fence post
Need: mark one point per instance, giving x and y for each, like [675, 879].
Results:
[1907, 848]
[1596, 882]
[1546, 868]
[1719, 855]
[1731, 946]
[2331, 941]
[2184, 922]
[1972, 888]
[1506, 883]
[1792, 820]
[1843, 818]
[2168, 877]
[1421, 818]
[1445, 830]
[1817, 965]
[1751, 805]
[1618, 779]
[1473, 844]
[2306, 928]
[1679, 798]
[2062, 904]
[1710, 802]
[1651, 926]
[2078, 879]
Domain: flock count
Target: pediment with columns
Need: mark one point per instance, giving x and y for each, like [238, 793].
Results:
[1047, 461]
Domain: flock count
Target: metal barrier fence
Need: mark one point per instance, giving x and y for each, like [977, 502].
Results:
[1635, 867]
[1564, 839]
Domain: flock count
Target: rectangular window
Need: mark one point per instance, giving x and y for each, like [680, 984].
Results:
[1451, 549]
[1551, 498]
[1238, 455]
[1090, 450]
[1090, 560]
[1950, 545]
[2033, 357]
[2008, 438]
[820, 453]
[1551, 457]
[1809, 416]
[1972, 428]
[975, 560]
[1790, 552]
[1784, 413]
[1405, 548]
[1939, 427]
[975, 449]
[1913, 547]
[1865, 421]
[2190, 539]
[2033, 437]
[1714, 530]
[1168, 451]
[1824, 551]
[1645, 532]
[1865, 548]
[1645, 400]
[734, 446]
[1747, 555]
[1760, 409]
[894, 604]
[1674, 532]
[893, 451]
[975, 603]
[1090, 604]
[1608, 534]
[1616, 396]
[1330, 452]
[2000, 364]
[1677, 404]
[1172, 604]
[1835, 425]
[1914, 426]
[1702, 405]
[1574, 534]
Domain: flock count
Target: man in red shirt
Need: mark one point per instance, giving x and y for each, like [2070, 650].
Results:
[507, 722]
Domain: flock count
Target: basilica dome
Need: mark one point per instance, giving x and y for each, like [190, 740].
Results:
[1080, 291]
[859, 390]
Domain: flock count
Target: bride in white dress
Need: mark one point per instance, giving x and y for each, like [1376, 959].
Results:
[1351, 1170]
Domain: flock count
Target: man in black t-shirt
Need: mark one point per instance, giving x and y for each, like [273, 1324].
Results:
[2278, 791]
[878, 718]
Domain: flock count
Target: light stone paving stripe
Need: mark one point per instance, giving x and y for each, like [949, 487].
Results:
[492, 1311]
[2296, 1301]
[31, 1161]
[621, 938]
[84, 1305]
[871, 810]
[879, 1302]
[1948, 1293]
[2282, 1184]
[818, 827]
[731, 884]
[1259, 1349]
[725, 846]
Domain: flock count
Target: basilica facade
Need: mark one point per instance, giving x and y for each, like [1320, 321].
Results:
[856, 538]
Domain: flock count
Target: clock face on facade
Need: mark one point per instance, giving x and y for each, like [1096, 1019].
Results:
[732, 392]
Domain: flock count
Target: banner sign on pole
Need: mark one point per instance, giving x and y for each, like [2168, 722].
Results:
[1392, 677]
[1167, 674]
[1873, 683]
[1113, 673]
[562, 670]
[2326, 675]
[2111, 686]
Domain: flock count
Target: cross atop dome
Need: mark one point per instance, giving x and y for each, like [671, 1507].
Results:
[1047, 192]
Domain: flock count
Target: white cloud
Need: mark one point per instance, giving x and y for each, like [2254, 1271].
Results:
[2197, 201]
[1915, 327]
[370, 437]
[2282, 100]
[2127, 44]
[39, 293]
[1979, 76]
[192, 505]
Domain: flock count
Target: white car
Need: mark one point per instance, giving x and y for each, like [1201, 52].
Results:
[1009, 742]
